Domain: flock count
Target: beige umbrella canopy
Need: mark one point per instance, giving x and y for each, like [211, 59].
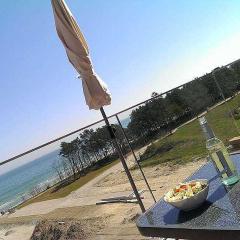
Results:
[95, 90]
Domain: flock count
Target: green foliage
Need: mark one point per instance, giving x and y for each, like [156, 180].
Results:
[188, 143]
[164, 113]
[92, 149]
[155, 149]
[196, 96]
[236, 113]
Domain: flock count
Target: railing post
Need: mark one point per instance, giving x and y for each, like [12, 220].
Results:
[121, 156]
[135, 157]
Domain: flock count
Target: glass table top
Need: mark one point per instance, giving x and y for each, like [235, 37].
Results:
[220, 212]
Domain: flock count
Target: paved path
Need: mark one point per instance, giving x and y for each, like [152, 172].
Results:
[88, 194]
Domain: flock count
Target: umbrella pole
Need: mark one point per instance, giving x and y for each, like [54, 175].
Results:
[118, 148]
[135, 157]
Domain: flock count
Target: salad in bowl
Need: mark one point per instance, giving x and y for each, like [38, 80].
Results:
[189, 195]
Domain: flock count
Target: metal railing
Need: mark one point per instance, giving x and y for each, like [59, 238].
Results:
[113, 118]
[100, 121]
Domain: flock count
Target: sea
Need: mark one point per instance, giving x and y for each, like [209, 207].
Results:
[17, 184]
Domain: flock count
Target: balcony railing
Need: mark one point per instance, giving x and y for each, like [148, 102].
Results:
[72, 155]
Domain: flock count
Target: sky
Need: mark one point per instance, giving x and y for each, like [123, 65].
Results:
[136, 46]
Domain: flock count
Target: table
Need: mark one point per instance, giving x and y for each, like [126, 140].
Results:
[217, 219]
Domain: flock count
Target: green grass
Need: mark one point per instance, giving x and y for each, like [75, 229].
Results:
[64, 191]
[188, 142]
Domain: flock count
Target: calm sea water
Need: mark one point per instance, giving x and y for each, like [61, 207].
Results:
[16, 184]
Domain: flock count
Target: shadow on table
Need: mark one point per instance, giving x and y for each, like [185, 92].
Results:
[175, 216]
[201, 216]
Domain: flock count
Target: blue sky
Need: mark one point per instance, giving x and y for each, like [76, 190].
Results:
[137, 47]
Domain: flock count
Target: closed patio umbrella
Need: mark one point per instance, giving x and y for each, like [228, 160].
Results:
[95, 90]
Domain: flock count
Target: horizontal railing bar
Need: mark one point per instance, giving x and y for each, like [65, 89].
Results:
[149, 99]
[90, 125]
[50, 142]
[159, 95]
[80, 129]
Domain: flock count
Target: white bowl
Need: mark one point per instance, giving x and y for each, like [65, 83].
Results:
[194, 201]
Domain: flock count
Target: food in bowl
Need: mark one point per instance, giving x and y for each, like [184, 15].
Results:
[184, 191]
[189, 195]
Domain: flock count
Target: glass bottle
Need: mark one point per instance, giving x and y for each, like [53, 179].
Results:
[219, 154]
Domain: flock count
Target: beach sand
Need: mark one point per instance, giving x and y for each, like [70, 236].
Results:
[16, 232]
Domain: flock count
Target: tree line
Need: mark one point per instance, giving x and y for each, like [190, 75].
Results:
[160, 115]
[163, 113]
[90, 150]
